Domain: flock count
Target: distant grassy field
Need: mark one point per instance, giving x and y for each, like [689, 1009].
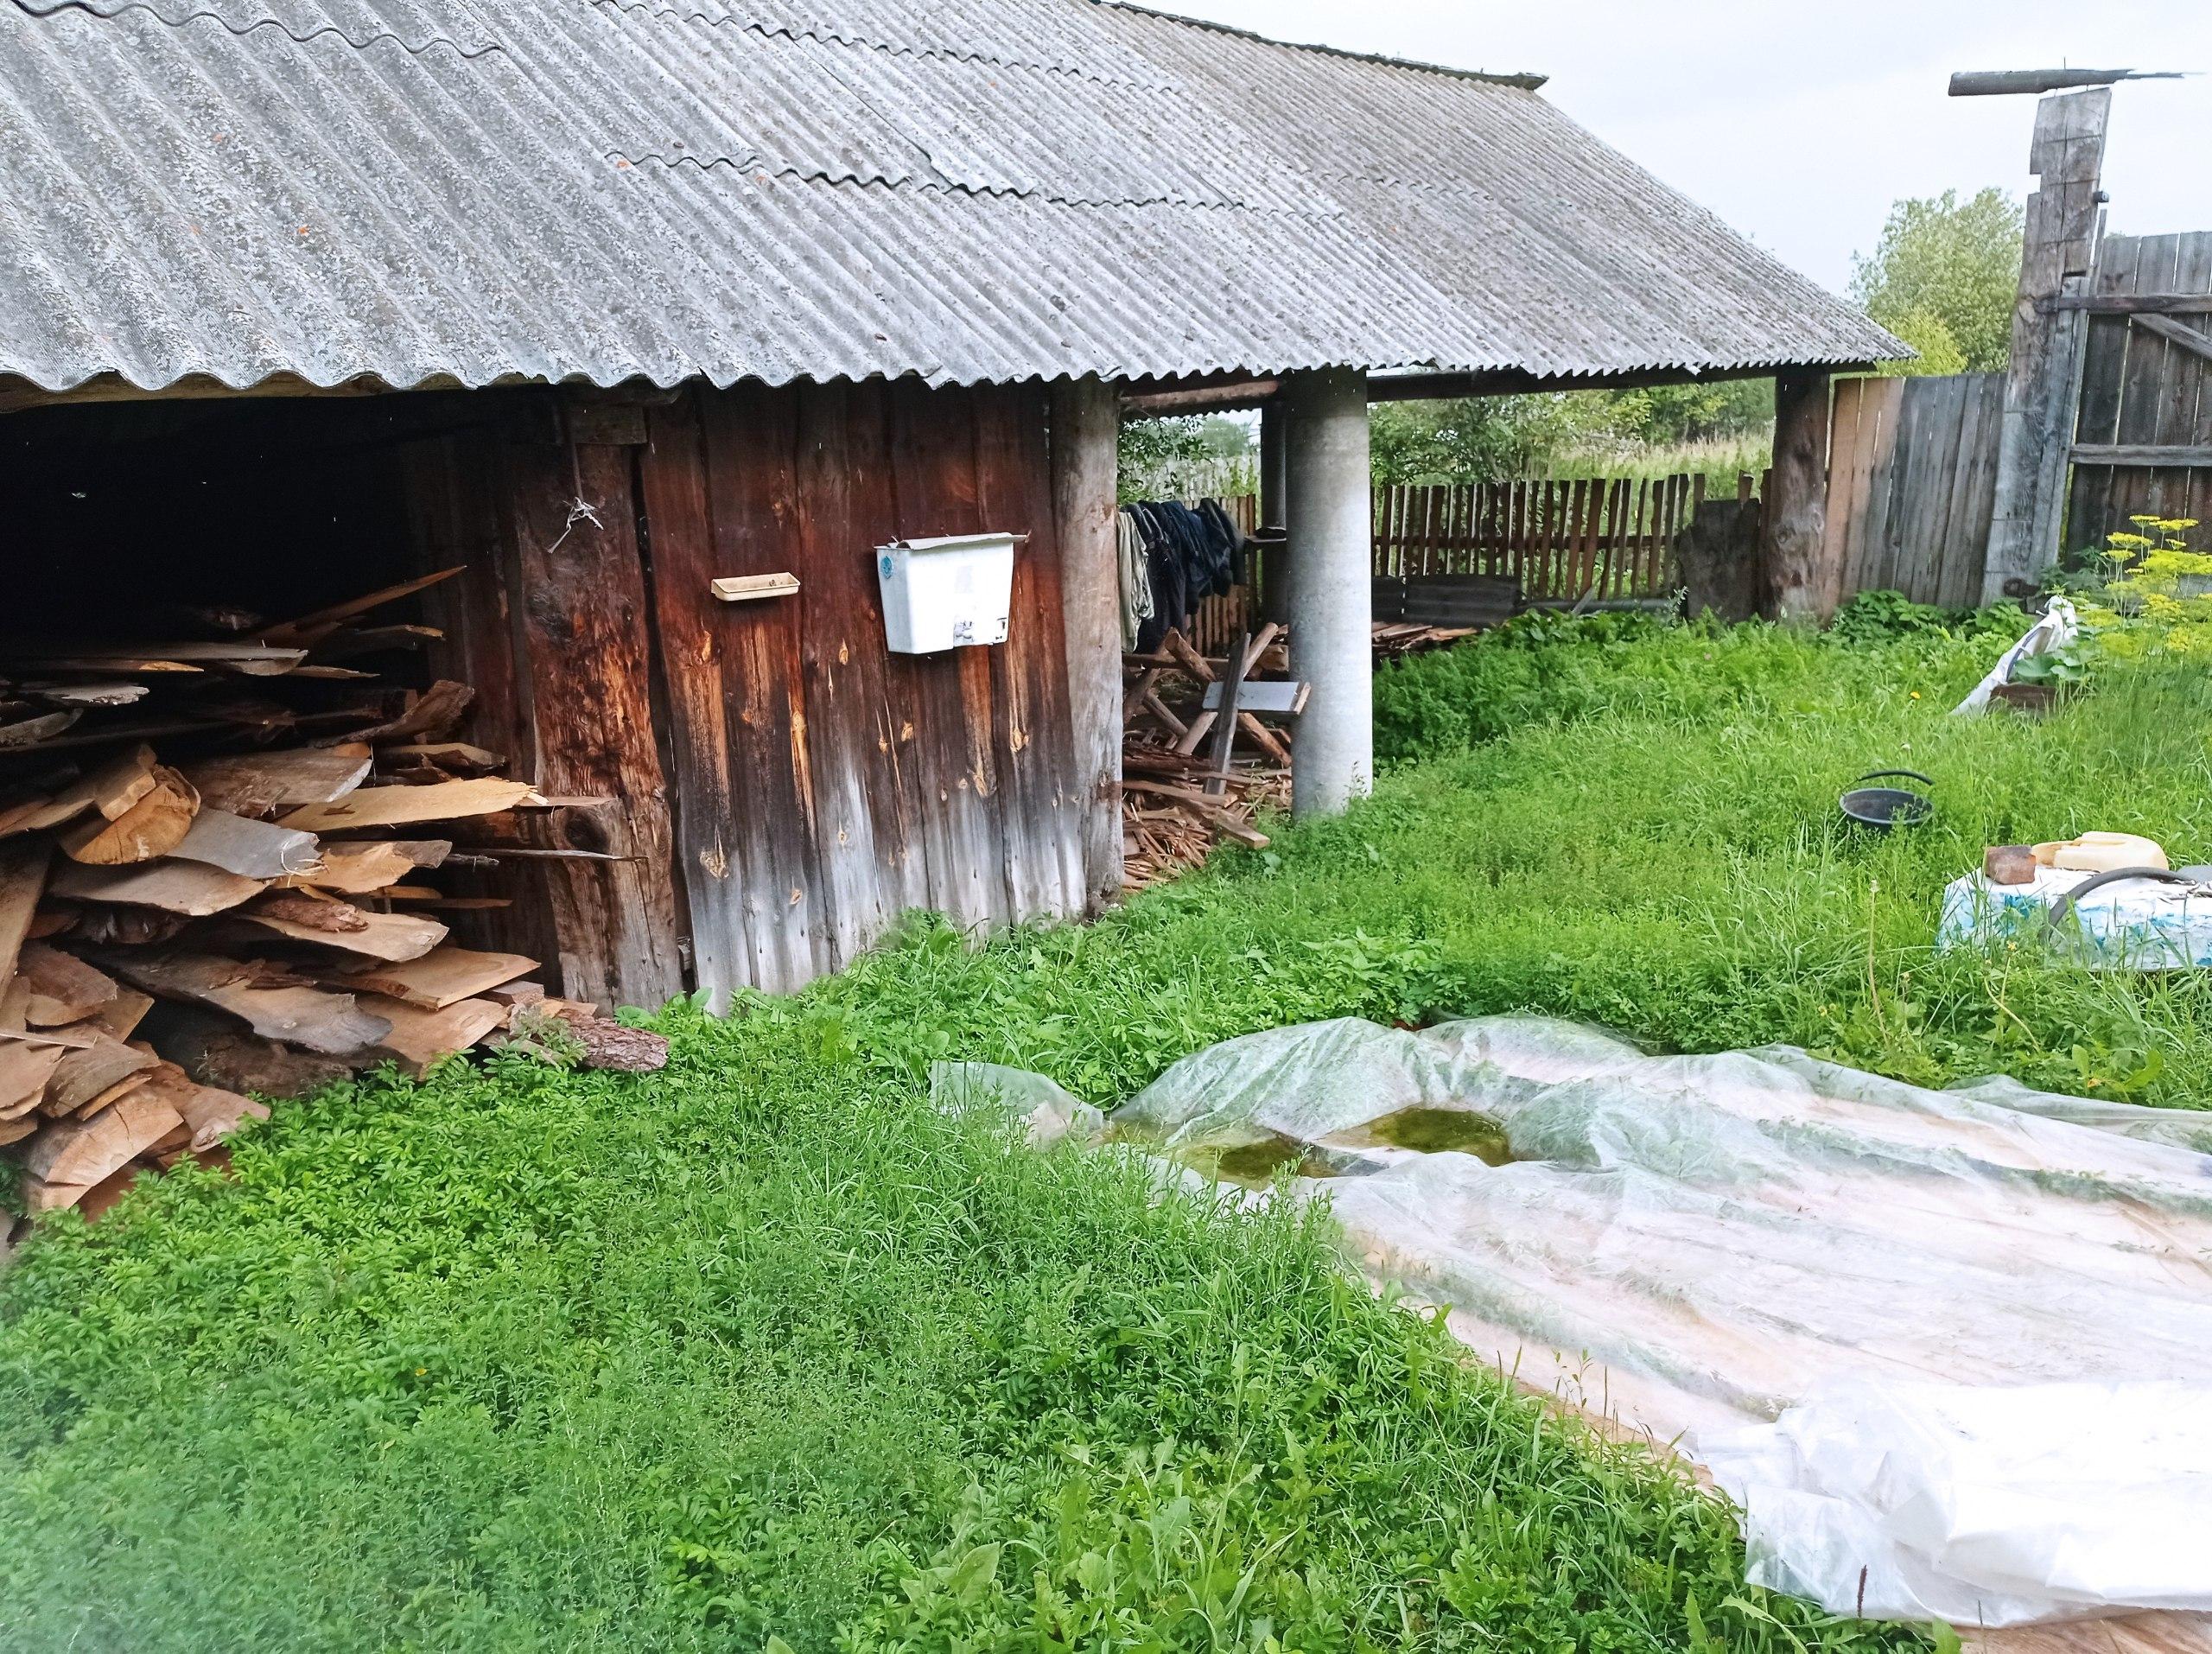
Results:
[1719, 458]
[763, 1347]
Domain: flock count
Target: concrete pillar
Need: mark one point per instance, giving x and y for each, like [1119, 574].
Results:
[1086, 446]
[1329, 597]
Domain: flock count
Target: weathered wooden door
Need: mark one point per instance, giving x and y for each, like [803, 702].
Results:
[2143, 432]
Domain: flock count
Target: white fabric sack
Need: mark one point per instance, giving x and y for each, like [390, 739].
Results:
[2058, 626]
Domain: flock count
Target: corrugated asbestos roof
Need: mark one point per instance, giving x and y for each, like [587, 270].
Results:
[471, 191]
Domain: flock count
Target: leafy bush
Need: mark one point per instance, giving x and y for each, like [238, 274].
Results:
[1886, 616]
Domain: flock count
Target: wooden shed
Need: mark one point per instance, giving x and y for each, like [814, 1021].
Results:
[607, 303]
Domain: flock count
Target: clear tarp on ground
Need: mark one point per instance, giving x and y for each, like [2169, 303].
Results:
[1947, 1349]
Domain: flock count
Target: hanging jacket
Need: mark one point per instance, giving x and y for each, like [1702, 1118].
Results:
[1137, 605]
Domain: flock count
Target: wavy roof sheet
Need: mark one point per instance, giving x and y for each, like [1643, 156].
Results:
[485, 190]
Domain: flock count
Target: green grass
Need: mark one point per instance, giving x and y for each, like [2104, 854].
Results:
[762, 1346]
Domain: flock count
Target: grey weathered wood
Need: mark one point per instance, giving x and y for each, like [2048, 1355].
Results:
[2067, 157]
[1974, 491]
[1793, 537]
[1717, 555]
[2192, 340]
[1085, 444]
[252, 850]
[2000, 83]
[1910, 470]
[2129, 304]
[2141, 453]
[1229, 702]
[1280, 695]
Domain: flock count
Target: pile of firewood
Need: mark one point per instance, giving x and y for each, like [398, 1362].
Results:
[205, 893]
[1187, 781]
[1396, 639]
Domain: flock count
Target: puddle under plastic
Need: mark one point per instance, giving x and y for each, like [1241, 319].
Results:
[1257, 1163]
[1437, 1131]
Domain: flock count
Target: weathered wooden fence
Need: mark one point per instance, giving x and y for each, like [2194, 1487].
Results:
[1566, 540]
[2142, 432]
[1912, 474]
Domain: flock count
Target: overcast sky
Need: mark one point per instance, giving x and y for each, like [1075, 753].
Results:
[1801, 122]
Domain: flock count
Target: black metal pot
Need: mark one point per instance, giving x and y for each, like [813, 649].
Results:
[1885, 807]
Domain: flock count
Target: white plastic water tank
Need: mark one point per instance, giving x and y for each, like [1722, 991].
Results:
[946, 592]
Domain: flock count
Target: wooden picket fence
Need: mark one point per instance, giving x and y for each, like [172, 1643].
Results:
[1565, 539]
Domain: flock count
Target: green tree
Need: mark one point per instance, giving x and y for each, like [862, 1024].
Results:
[1473, 439]
[1948, 263]
[1931, 335]
[1163, 459]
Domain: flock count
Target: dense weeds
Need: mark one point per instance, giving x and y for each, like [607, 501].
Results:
[763, 1348]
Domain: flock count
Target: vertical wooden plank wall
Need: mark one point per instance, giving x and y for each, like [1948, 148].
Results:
[2142, 390]
[824, 786]
[1912, 478]
[550, 625]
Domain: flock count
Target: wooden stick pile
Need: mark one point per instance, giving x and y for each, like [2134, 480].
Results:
[1396, 639]
[1185, 788]
[247, 917]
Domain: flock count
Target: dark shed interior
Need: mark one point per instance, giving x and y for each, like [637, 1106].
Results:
[742, 794]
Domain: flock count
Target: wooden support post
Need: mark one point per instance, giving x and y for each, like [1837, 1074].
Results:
[2040, 387]
[1224, 743]
[1793, 526]
[1086, 437]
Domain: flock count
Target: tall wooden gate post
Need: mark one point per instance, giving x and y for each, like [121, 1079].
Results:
[2067, 158]
[1793, 539]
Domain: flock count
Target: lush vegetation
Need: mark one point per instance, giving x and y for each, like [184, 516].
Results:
[1943, 278]
[1717, 429]
[764, 1350]
[1186, 457]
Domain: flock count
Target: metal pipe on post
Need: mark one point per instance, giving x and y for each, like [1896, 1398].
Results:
[1793, 527]
[1273, 507]
[1329, 592]
[1086, 455]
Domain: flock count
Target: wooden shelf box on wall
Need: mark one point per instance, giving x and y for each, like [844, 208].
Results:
[748, 589]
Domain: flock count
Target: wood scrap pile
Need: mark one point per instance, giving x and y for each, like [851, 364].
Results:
[1396, 639]
[190, 912]
[1203, 751]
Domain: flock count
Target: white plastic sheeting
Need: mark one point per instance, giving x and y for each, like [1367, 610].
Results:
[1947, 1349]
[2055, 629]
[2136, 925]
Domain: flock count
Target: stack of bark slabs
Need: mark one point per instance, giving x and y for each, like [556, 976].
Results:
[217, 856]
[1396, 639]
[1189, 781]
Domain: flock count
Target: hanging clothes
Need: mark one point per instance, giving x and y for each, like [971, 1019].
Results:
[1191, 553]
[1137, 605]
